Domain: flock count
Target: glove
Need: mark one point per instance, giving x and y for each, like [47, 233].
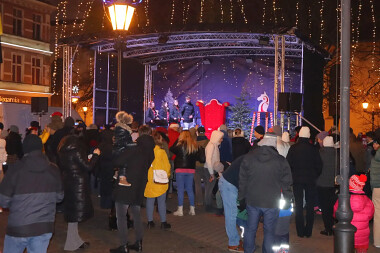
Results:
[242, 205]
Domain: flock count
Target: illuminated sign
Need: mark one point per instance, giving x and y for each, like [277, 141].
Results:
[14, 99]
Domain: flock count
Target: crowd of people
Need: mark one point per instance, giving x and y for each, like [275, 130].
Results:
[56, 170]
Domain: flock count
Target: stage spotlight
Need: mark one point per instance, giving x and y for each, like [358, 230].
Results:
[154, 67]
[249, 60]
[206, 61]
[264, 41]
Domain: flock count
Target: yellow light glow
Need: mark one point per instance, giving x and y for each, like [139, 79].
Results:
[74, 100]
[85, 108]
[365, 105]
[121, 16]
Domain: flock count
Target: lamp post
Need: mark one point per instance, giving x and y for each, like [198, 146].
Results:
[84, 108]
[120, 14]
[374, 112]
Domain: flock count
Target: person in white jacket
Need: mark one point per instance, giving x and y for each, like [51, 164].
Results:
[213, 163]
[283, 144]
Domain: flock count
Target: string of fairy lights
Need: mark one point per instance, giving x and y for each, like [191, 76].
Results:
[230, 11]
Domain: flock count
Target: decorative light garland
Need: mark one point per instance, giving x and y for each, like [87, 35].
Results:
[202, 8]
[243, 11]
[172, 13]
[264, 11]
[231, 12]
[373, 33]
[221, 12]
[297, 10]
[322, 3]
[274, 11]
[146, 12]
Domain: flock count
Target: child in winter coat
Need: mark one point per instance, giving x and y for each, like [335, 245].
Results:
[123, 138]
[363, 210]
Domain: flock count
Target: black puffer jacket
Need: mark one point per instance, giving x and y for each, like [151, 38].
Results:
[187, 110]
[122, 138]
[137, 160]
[305, 162]
[184, 160]
[75, 167]
[175, 116]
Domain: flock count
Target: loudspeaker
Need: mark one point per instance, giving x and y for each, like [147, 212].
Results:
[39, 105]
[289, 102]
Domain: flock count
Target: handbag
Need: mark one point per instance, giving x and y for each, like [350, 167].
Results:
[160, 176]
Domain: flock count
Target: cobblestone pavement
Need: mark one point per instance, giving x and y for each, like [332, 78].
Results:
[203, 233]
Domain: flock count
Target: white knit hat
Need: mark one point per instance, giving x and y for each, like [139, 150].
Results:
[304, 132]
[285, 137]
[328, 141]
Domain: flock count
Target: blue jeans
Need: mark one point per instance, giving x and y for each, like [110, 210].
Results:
[229, 194]
[185, 181]
[34, 244]
[161, 202]
[270, 219]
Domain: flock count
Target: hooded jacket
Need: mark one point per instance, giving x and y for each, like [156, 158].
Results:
[213, 154]
[330, 168]
[75, 167]
[160, 162]
[30, 189]
[363, 210]
[240, 146]
[263, 174]
[137, 161]
[305, 162]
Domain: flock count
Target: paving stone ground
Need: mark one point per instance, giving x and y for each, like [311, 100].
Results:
[203, 233]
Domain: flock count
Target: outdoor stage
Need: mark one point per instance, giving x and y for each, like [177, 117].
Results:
[205, 66]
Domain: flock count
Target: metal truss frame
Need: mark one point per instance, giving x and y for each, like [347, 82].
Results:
[153, 48]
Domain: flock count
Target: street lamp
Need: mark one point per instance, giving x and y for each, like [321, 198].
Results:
[84, 108]
[374, 112]
[120, 14]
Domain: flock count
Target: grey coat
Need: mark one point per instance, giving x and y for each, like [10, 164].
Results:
[330, 160]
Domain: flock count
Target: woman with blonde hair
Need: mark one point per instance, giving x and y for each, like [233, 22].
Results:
[187, 153]
[155, 187]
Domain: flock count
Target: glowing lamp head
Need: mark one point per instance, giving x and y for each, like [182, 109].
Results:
[85, 109]
[121, 16]
[365, 105]
[74, 100]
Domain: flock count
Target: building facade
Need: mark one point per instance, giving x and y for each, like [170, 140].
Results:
[26, 50]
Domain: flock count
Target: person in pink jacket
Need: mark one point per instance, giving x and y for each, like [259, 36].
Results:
[363, 210]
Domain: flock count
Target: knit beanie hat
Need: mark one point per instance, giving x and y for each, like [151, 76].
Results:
[31, 142]
[328, 141]
[270, 139]
[357, 182]
[14, 129]
[285, 137]
[260, 130]
[304, 132]
[322, 135]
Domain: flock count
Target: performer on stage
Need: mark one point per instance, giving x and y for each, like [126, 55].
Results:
[164, 114]
[151, 115]
[187, 113]
[175, 115]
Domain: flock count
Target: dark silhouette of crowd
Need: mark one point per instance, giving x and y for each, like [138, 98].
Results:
[61, 167]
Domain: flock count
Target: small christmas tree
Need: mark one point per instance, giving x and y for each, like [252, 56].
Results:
[241, 114]
[169, 98]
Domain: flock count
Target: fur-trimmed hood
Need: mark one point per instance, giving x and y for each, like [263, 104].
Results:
[124, 126]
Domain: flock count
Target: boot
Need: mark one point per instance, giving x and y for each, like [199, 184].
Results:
[179, 211]
[150, 224]
[112, 222]
[123, 181]
[192, 210]
[137, 246]
[165, 225]
[121, 249]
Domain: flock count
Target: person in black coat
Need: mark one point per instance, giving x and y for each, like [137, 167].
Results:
[13, 145]
[67, 129]
[240, 145]
[151, 115]
[187, 112]
[137, 159]
[77, 204]
[175, 115]
[306, 165]
[164, 114]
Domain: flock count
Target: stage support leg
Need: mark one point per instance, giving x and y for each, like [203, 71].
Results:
[275, 79]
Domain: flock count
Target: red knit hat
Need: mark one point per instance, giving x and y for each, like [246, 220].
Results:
[357, 182]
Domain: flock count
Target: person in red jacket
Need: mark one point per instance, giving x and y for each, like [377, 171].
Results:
[363, 210]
